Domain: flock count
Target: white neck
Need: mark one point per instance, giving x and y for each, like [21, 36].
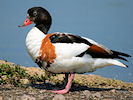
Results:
[34, 41]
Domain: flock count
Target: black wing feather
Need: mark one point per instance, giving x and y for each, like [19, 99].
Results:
[68, 38]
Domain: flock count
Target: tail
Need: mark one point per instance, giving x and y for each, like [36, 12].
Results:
[116, 62]
[120, 55]
[99, 63]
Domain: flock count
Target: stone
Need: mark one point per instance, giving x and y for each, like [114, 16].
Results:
[59, 97]
[1, 98]
[97, 95]
[42, 91]
[87, 93]
[24, 81]
[4, 77]
[113, 90]
[27, 97]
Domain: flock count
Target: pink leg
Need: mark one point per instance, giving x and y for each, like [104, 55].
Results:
[68, 86]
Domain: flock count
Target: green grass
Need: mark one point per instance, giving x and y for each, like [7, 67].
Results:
[15, 74]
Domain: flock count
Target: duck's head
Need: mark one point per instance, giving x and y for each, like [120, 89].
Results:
[40, 17]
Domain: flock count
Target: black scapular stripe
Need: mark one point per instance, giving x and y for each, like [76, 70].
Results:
[68, 38]
[115, 54]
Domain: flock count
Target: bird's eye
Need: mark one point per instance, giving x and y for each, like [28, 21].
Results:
[35, 13]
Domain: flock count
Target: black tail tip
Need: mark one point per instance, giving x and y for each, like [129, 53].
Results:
[126, 66]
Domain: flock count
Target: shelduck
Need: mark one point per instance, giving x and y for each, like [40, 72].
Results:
[65, 53]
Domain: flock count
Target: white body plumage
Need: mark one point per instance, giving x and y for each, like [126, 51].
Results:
[66, 60]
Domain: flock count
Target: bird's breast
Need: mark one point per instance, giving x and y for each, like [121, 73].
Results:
[33, 42]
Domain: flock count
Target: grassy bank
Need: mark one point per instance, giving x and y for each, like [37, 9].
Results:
[32, 83]
[19, 76]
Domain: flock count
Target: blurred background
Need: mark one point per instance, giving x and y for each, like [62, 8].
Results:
[109, 22]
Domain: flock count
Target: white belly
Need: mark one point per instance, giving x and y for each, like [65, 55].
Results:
[81, 64]
[73, 65]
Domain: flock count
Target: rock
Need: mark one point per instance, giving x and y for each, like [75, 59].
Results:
[59, 97]
[97, 95]
[131, 91]
[4, 77]
[5, 62]
[1, 98]
[40, 97]
[113, 90]
[82, 96]
[17, 98]
[87, 93]
[108, 97]
[41, 91]
[24, 81]
[27, 97]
